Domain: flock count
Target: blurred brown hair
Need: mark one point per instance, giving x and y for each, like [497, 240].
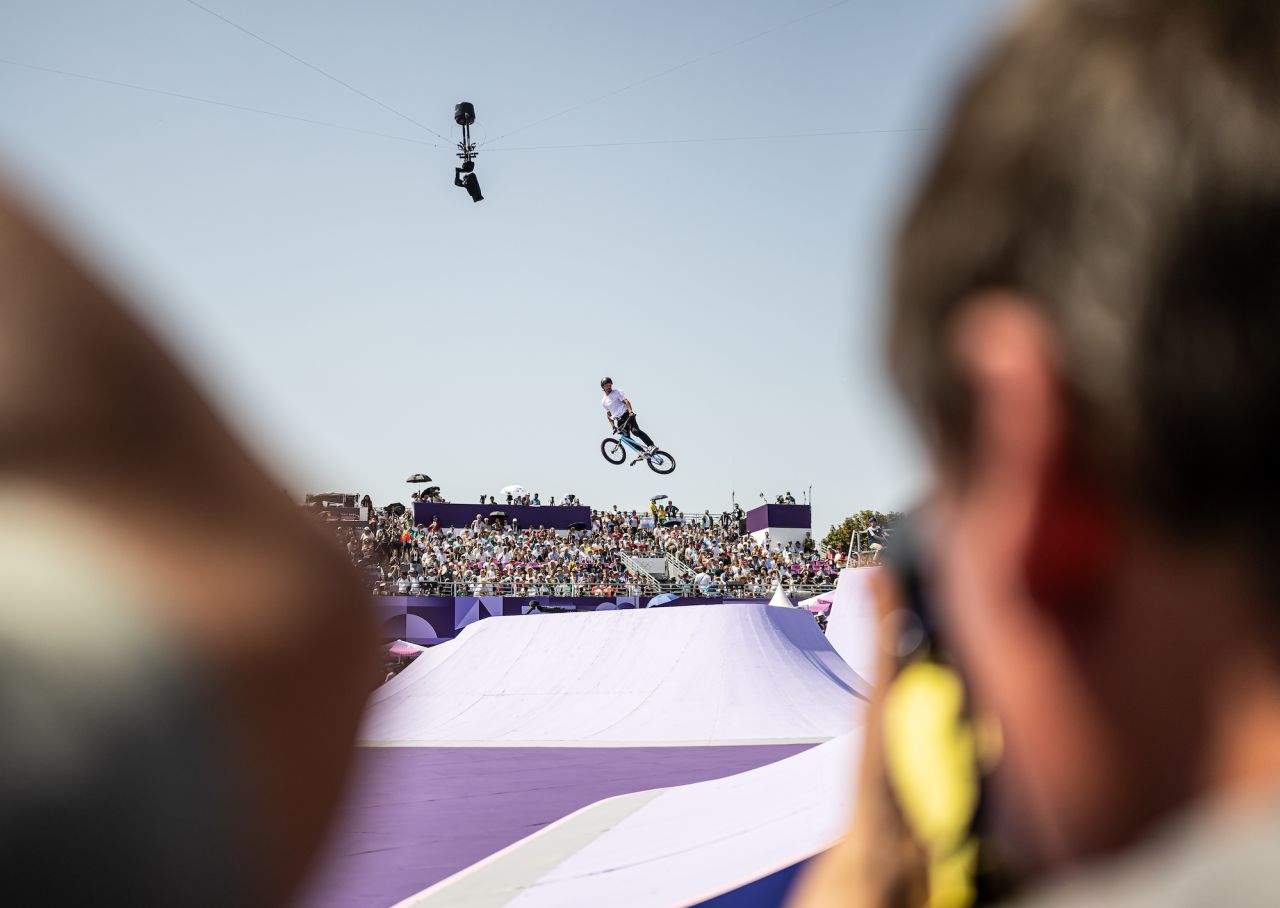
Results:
[1117, 162]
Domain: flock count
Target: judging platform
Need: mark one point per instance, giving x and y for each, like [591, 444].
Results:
[783, 522]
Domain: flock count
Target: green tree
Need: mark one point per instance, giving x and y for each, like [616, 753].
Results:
[838, 537]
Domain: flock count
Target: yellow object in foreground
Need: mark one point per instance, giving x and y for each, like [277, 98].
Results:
[931, 760]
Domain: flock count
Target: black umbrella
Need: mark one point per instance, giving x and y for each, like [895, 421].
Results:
[671, 523]
[577, 525]
[499, 514]
[419, 477]
[432, 490]
[657, 497]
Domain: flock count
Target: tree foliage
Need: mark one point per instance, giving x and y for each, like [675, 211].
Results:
[838, 537]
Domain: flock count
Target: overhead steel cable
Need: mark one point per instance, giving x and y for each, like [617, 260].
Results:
[314, 68]
[668, 70]
[798, 135]
[385, 135]
[210, 101]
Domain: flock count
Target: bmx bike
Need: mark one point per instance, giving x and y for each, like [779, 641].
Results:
[615, 451]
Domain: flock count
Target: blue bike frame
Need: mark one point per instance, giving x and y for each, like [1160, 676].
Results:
[635, 446]
[659, 461]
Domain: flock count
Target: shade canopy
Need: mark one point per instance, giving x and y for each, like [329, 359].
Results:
[404, 648]
[819, 603]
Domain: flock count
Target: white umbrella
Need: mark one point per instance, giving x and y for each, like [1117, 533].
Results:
[513, 490]
[819, 603]
[403, 648]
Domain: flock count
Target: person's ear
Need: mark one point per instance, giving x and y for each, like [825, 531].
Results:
[1022, 455]
[1072, 548]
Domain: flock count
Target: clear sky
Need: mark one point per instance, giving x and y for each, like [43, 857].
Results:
[359, 319]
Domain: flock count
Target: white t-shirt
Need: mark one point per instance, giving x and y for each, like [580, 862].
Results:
[613, 402]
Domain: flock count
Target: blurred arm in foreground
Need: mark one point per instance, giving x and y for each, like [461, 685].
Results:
[1085, 324]
[185, 655]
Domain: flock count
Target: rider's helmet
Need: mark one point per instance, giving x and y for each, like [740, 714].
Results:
[606, 381]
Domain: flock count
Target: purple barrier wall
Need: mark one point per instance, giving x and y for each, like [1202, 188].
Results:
[430, 618]
[782, 516]
[461, 515]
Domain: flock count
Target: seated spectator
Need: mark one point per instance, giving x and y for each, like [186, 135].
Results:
[875, 539]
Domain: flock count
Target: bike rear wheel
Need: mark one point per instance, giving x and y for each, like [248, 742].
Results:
[613, 451]
[661, 462]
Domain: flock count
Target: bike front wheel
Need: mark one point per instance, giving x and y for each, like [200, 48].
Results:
[661, 462]
[613, 451]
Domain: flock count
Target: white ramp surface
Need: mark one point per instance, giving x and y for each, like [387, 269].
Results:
[709, 674]
[852, 624]
[670, 847]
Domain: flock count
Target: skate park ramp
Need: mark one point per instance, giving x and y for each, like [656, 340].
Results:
[672, 846]
[712, 674]
[851, 626]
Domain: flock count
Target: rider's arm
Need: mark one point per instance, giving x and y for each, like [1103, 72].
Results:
[630, 409]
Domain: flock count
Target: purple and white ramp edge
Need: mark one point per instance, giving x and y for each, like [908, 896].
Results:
[718, 674]
[671, 847]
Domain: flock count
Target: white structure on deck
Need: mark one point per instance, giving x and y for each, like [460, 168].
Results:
[708, 674]
[852, 623]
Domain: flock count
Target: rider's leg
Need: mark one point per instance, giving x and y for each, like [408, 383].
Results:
[634, 430]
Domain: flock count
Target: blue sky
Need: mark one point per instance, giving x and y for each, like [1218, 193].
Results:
[359, 319]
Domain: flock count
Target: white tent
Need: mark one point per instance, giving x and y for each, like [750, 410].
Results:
[780, 598]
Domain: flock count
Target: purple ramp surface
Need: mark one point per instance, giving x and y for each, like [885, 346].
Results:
[417, 815]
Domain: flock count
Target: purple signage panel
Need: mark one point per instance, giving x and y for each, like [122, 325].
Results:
[457, 516]
[782, 516]
[446, 616]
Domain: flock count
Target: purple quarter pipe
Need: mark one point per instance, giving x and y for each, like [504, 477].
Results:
[417, 815]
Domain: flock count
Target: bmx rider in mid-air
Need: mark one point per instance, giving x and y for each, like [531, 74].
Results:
[617, 410]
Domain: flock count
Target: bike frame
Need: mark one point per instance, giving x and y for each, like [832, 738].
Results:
[641, 453]
[663, 459]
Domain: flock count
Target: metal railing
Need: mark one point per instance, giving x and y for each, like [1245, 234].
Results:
[634, 569]
[468, 588]
[677, 568]
[728, 591]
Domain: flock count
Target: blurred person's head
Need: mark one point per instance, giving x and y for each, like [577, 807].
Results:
[164, 738]
[1086, 324]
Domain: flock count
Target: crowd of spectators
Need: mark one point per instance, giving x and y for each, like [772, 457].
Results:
[706, 554]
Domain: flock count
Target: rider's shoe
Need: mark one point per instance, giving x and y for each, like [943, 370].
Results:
[651, 449]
